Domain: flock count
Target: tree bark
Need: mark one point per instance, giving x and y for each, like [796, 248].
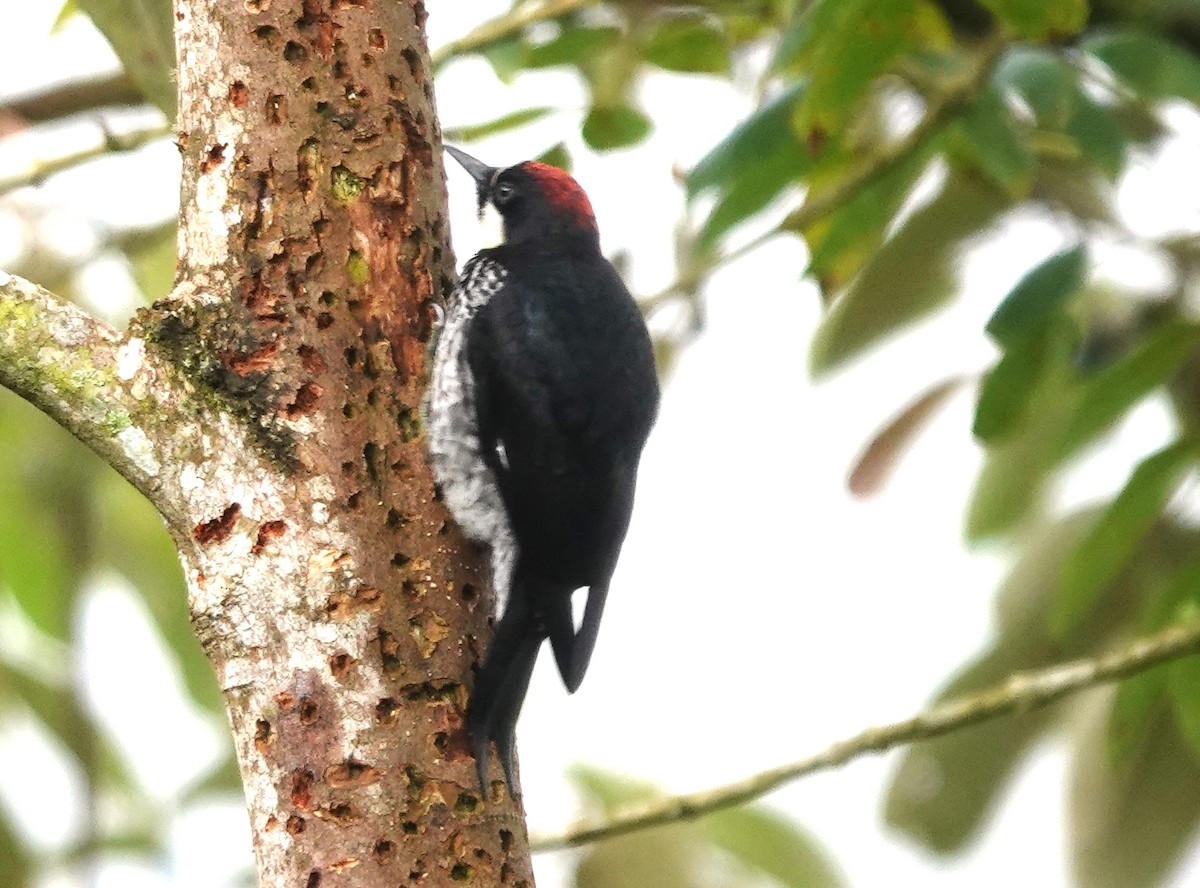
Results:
[271, 409]
[326, 581]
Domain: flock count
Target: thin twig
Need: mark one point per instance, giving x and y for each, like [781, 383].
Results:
[1021, 692]
[111, 144]
[505, 25]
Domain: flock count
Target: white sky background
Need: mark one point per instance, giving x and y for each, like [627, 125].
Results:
[848, 614]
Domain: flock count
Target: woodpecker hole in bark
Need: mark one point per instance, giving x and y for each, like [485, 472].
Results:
[219, 528]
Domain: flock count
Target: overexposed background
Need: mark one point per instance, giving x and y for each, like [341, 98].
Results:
[759, 612]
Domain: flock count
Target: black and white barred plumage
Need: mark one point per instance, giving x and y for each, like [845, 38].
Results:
[468, 483]
[542, 395]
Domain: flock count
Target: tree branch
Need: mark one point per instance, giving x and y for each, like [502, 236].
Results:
[98, 385]
[110, 144]
[1021, 692]
[505, 25]
[73, 97]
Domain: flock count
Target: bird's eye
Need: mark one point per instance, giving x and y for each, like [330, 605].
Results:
[503, 193]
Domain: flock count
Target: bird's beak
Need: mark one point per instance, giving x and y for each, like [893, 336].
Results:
[480, 171]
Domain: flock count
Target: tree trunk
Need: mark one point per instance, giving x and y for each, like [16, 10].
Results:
[270, 408]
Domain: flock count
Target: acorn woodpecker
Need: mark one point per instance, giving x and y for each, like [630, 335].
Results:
[542, 394]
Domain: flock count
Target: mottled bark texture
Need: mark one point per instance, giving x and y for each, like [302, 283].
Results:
[270, 408]
[329, 587]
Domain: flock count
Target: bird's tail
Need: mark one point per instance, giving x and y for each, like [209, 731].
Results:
[500, 687]
[573, 650]
[536, 610]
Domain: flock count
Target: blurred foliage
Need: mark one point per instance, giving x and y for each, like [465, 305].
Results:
[142, 33]
[892, 136]
[746, 846]
[68, 520]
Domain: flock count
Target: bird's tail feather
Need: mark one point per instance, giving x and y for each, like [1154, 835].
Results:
[502, 722]
[573, 650]
[584, 641]
[559, 624]
[535, 611]
[500, 686]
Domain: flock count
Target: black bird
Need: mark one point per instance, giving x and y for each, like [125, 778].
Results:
[543, 392]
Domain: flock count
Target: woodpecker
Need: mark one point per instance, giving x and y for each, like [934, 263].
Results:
[542, 394]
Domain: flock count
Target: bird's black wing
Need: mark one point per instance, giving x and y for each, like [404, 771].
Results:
[565, 395]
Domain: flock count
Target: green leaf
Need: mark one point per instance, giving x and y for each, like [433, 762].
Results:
[1038, 296]
[152, 254]
[1130, 826]
[571, 46]
[16, 864]
[1007, 395]
[556, 156]
[1011, 484]
[1178, 599]
[1148, 64]
[1044, 81]
[1183, 680]
[996, 143]
[1098, 131]
[35, 561]
[848, 44]
[1135, 706]
[659, 857]
[945, 787]
[1078, 189]
[679, 855]
[608, 128]
[688, 45]
[1111, 392]
[1139, 697]
[1117, 534]
[750, 167]
[68, 11]
[762, 140]
[608, 791]
[512, 120]
[747, 196]
[909, 276]
[506, 58]
[1040, 19]
[771, 844]
[797, 37]
[223, 779]
[663, 858]
[841, 243]
[1142, 699]
[142, 34]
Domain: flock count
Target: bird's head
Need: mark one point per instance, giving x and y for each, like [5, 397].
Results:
[535, 201]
